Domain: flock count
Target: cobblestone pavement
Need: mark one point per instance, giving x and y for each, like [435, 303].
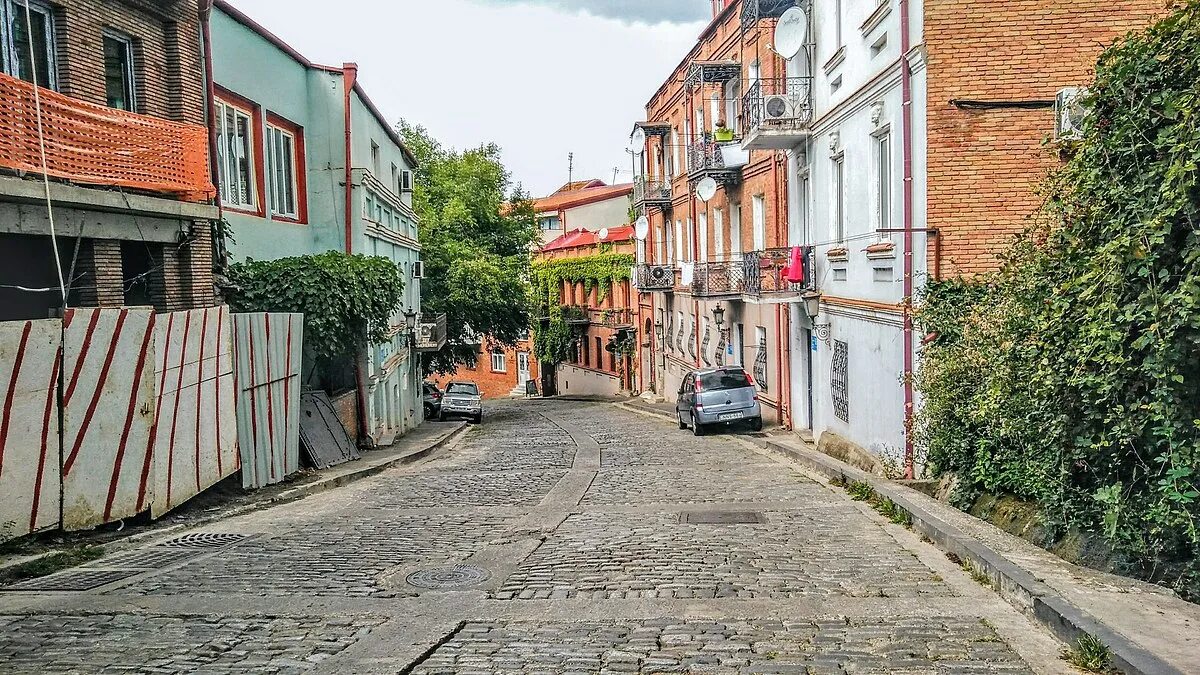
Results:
[567, 537]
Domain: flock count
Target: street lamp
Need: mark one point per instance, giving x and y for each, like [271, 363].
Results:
[718, 316]
[812, 304]
[410, 320]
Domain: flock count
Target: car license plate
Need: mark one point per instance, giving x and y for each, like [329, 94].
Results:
[728, 417]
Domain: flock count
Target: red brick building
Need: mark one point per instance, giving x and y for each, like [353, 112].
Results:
[122, 106]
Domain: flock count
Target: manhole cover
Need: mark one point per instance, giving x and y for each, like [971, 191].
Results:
[457, 576]
[204, 540]
[723, 518]
[147, 560]
[81, 580]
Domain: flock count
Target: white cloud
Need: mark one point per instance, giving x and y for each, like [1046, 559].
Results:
[538, 80]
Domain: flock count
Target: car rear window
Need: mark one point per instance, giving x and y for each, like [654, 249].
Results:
[724, 379]
[469, 389]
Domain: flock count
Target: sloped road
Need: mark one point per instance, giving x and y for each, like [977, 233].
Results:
[557, 537]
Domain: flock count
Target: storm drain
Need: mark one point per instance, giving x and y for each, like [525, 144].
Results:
[74, 580]
[147, 559]
[203, 540]
[722, 518]
[455, 576]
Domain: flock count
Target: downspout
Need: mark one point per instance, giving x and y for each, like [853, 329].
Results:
[781, 334]
[349, 77]
[906, 91]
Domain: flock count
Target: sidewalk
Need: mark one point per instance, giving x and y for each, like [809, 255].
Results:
[227, 498]
[1148, 628]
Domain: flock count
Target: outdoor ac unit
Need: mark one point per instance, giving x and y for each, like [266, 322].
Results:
[1069, 113]
[419, 269]
[661, 275]
[779, 107]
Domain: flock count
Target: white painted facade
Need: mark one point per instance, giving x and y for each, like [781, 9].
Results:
[856, 148]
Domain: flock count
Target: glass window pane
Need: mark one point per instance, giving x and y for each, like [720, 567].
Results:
[118, 73]
[39, 26]
[289, 178]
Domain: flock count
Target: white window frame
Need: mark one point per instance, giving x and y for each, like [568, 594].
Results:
[883, 181]
[501, 359]
[735, 229]
[126, 44]
[275, 134]
[229, 180]
[718, 233]
[838, 197]
[702, 232]
[758, 214]
[679, 240]
[10, 9]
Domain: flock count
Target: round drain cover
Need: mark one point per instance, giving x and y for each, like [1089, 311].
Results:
[455, 576]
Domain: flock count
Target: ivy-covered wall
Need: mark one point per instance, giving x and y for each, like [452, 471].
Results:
[553, 338]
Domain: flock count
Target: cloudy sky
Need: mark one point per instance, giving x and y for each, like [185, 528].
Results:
[540, 77]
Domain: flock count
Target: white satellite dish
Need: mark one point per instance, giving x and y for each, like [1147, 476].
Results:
[641, 228]
[790, 32]
[637, 142]
[706, 189]
[604, 233]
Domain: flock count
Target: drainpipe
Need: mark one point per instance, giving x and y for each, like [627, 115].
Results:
[349, 77]
[906, 91]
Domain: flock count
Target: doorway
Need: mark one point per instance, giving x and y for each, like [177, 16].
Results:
[522, 369]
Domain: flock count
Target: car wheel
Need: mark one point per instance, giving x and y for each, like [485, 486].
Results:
[756, 424]
[697, 428]
[429, 411]
[679, 415]
[479, 419]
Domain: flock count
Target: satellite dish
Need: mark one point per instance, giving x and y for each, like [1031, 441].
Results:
[790, 32]
[604, 233]
[637, 142]
[706, 189]
[641, 228]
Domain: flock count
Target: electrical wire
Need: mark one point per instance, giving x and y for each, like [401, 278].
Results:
[37, 104]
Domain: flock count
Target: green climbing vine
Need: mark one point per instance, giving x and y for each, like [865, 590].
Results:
[554, 338]
[1070, 376]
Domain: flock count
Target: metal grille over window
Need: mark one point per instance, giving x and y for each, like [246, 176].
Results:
[692, 341]
[722, 345]
[840, 381]
[679, 338]
[704, 346]
[760, 364]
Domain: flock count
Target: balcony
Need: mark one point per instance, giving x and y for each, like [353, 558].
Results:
[701, 73]
[651, 192]
[431, 332]
[650, 278]
[754, 11]
[756, 276]
[720, 161]
[613, 317]
[95, 145]
[778, 113]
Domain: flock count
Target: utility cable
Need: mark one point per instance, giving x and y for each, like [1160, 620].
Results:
[37, 104]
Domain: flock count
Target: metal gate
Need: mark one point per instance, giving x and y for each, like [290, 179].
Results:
[267, 360]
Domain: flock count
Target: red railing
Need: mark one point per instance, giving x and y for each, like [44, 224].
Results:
[95, 145]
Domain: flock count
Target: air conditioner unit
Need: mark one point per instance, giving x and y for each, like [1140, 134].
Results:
[1069, 113]
[661, 275]
[419, 269]
[779, 107]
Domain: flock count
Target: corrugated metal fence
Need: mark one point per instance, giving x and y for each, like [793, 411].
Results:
[150, 407]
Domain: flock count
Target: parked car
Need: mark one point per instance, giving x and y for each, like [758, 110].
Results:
[713, 396]
[462, 399]
[433, 399]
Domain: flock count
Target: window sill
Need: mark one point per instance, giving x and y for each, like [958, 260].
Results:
[882, 12]
[836, 60]
[884, 250]
[250, 211]
[289, 219]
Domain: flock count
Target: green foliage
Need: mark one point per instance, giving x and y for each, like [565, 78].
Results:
[348, 301]
[476, 233]
[1090, 654]
[861, 491]
[554, 338]
[1070, 376]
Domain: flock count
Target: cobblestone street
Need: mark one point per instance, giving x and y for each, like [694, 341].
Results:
[558, 537]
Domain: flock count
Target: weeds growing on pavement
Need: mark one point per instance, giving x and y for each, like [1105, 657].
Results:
[861, 491]
[49, 564]
[1090, 654]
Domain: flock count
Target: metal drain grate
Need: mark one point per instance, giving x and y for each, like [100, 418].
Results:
[723, 518]
[456, 576]
[147, 559]
[75, 580]
[204, 540]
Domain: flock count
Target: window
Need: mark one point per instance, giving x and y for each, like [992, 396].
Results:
[673, 157]
[550, 223]
[687, 140]
[406, 181]
[498, 363]
[235, 156]
[703, 234]
[735, 229]
[719, 233]
[733, 93]
[759, 214]
[839, 198]
[660, 242]
[689, 253]
[599, 355]
[883, 181]
[679, 241]
[281, 172]
[16, 59]
[396, 178]
[374, 159]
[715, 110]
[118, 72]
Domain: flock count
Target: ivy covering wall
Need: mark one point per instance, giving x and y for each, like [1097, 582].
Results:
[553, 339]
[1072, 376]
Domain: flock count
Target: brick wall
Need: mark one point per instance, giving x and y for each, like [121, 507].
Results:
[168, 68]
[985, 166]
[492, 384]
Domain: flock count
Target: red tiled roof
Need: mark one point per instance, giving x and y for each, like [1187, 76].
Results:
[565, 200]
[582, 237]
[581, 184]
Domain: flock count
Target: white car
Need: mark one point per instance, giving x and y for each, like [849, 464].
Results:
[462, 399]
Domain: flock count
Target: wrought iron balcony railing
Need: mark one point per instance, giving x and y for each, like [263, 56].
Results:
[754, 11]
[719, 278]
[431, 332]
[755, 273]
[778, 112]
[654, 277]
[651, 192]
[613, 317]
[709, 157]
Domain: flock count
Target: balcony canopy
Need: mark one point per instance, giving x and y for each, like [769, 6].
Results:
[713, 72]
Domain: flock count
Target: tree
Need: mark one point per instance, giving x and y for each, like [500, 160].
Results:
[477, 230]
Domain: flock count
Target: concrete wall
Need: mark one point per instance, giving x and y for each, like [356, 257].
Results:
[579, 381]
[598, 215]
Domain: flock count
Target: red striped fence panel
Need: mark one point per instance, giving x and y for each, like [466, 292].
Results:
[267, 365]
[108, 412]
[29, 478]
[195, 427]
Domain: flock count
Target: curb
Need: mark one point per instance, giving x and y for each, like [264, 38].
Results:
[295, 494]
[645, 411]
[1013, 583]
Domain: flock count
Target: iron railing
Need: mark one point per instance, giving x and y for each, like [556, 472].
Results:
[654, 277]
[719, 278]
[778, 103]
[754, 11]
[651, 191]
[431, 332]
[613, 317]
[755, 273]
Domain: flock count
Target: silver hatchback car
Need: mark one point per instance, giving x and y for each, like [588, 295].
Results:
[718, 396]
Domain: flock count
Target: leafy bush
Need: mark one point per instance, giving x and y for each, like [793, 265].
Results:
[1070, 376]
